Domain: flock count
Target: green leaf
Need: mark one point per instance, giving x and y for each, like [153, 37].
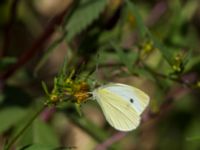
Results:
[10, 116]
[39, 133]
[44, 86]
[27, 137]
[44, 134]
[86, 13]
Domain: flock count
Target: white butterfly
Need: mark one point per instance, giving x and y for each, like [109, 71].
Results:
[121, 104]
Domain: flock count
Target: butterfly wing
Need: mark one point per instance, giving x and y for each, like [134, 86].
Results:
[122, 105]
[133, 95]
[118, 112]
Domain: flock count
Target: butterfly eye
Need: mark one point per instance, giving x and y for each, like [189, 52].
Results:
[131, 100]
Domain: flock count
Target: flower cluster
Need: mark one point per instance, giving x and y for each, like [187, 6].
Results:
[68, 89]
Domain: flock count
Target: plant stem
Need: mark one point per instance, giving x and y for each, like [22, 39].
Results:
[24, 128]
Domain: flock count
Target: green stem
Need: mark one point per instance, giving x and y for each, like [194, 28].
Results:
[30, 121]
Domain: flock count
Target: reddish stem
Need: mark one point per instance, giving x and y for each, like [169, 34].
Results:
[47, 113]
[114, 138]
[41, 41]
[36, 46]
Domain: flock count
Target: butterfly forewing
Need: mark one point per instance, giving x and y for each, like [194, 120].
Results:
[118, 112]
[138, 99]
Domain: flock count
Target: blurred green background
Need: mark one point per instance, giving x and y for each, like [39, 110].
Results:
[150, 44]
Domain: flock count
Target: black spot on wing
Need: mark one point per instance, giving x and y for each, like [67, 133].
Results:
[131, 100]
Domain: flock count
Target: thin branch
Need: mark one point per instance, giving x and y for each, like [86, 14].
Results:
[110, 141]
[179, 80]
[156, 13]
[175, 79]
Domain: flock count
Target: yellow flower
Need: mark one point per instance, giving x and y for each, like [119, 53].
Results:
[81, 96]
[54, 98]
[81, 90]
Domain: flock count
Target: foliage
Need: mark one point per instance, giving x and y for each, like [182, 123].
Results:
[52, 58]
